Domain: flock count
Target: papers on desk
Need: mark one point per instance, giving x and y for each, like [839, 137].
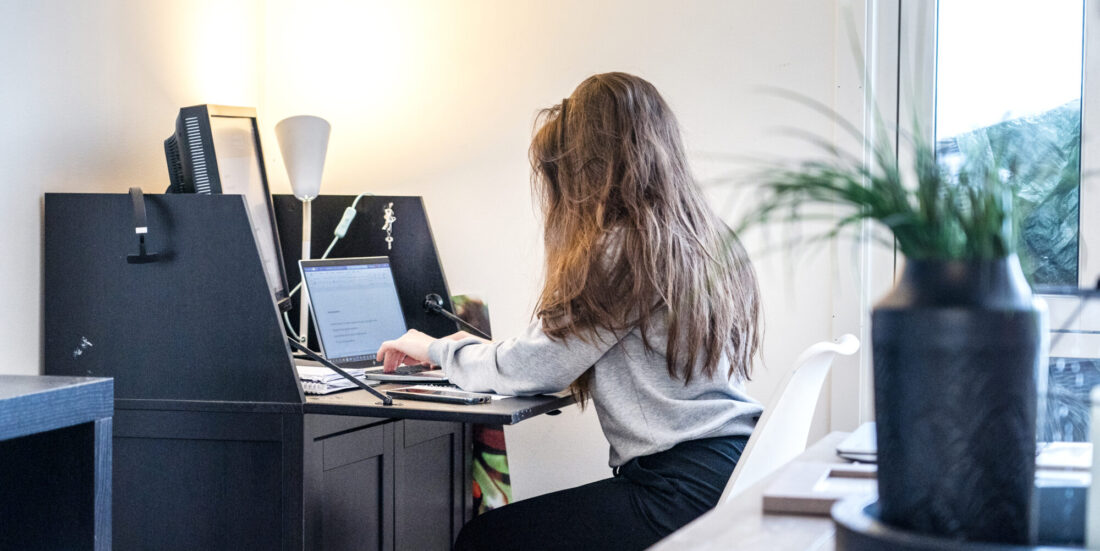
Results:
[322, 380]
[1069, 456]
[811, 487]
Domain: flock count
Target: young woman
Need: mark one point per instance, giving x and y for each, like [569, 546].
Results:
[650, 307]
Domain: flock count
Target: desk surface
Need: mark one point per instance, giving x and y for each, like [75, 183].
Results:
[506, 411]
[31, 404]
[742, 524]
[358, 403]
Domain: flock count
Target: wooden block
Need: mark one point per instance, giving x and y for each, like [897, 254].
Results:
[811, 488]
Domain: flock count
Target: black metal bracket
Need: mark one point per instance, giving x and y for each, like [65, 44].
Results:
[141, 228]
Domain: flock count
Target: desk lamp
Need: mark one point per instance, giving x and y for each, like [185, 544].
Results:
[303, 141]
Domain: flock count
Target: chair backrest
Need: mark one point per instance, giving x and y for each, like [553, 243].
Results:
[782, 431]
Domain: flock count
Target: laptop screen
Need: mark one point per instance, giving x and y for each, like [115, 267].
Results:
[355, 306]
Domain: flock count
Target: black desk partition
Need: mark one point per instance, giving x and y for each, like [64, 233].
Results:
[416, 267]
[197, 324]
[208, 425]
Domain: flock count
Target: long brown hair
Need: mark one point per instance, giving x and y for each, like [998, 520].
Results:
[629, 234]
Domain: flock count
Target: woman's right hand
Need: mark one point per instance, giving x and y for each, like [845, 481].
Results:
[412, 344]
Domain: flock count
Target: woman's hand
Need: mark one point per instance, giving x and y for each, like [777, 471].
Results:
[413, 345]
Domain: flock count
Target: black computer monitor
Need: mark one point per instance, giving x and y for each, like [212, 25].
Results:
[216, 149]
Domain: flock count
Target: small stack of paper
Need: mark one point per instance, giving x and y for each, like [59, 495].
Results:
[811, 487]
[322, 380]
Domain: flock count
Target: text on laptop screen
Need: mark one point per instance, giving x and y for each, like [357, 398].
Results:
[356, 309]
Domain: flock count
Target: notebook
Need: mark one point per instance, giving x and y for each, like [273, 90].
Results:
[355, 308]
[318, 379]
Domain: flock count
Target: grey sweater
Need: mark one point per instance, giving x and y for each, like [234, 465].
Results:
[641, 409]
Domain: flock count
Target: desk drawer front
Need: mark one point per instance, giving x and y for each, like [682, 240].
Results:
[203, 480]
[353, 446]
[355, 504]
[418, 432]
[429, 483]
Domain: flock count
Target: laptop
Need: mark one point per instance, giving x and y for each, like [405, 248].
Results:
[355, 308]
[860, 445]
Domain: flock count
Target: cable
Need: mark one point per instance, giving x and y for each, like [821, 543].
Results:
[324, 256]
[290, 327]
[338, 234]
[330, 246]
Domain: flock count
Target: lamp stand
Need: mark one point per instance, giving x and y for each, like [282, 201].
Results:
[307, 237]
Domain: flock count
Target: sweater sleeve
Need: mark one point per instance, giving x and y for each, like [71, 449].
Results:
[531, 363]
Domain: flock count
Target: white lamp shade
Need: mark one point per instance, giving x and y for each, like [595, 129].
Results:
[303, 140]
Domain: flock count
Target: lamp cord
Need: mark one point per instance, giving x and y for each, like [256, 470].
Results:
[337, 236]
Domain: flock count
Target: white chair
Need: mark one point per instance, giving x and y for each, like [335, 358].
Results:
[782, 431]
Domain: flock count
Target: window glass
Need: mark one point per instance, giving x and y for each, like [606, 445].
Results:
[1009, 71]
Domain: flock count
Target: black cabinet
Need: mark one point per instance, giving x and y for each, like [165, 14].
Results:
[383, 484]
[270, 480]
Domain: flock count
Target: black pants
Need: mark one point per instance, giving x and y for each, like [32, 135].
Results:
[648, 498]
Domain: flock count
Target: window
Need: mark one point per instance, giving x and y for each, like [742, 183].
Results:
[1010, 70]
[991, 70]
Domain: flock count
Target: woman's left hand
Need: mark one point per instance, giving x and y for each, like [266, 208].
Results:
[413, 346]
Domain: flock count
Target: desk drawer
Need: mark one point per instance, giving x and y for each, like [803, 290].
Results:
[418, 432]
[347, 448]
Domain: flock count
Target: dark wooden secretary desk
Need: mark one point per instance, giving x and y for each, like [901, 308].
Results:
[336, 472]
[215, 445]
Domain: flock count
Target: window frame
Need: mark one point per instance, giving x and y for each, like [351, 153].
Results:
[1075, 333]
[898, 38]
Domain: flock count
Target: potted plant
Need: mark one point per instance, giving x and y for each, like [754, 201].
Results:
[957, 345]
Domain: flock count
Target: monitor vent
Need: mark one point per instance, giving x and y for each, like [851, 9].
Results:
[198, 157]
[175, 166]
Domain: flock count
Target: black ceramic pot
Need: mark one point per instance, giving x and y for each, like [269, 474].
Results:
[957, 352]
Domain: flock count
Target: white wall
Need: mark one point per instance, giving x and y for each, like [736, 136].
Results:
[90, 90]
[438, 99]
[428, 98]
